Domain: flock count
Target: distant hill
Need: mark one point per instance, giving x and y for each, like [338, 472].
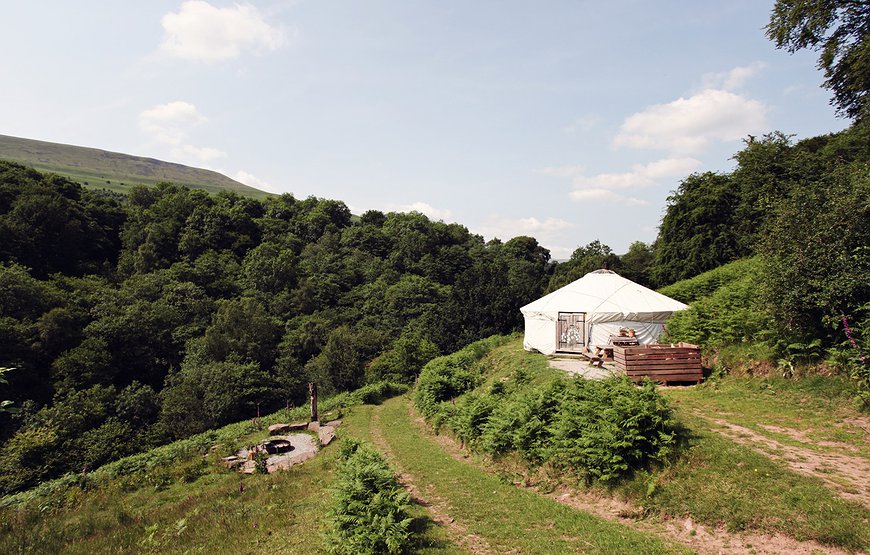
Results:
[97, 168]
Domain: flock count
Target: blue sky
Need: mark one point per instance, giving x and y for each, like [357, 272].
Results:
[567, 121]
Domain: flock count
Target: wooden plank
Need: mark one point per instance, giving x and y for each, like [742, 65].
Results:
[659, 354]
[657, 363]
[659, 359]
[668, 371]
[670, 378]
[665, 371]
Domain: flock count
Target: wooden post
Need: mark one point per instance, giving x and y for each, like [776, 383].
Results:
[312, 393]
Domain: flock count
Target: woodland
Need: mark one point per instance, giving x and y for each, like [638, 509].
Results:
[131, 320]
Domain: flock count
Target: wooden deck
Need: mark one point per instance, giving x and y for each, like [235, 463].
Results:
[664, 363]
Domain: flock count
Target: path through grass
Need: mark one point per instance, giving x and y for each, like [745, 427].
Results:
[506, 519]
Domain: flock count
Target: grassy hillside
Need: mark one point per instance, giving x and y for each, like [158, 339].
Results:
[768, 457]
[740, 484]
[112, 170]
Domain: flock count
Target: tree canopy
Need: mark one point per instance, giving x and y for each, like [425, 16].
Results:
[840, 31]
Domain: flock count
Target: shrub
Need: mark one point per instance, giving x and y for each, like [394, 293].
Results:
[370, 512]
[726, 307]
[603, 430]
[447, 377]
[606, 429]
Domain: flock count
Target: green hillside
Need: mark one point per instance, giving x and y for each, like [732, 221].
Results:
[112, 170]
[734, 484]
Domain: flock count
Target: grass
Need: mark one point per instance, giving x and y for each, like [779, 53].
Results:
[717, 481]
[819, 407]
[189, 506]
[281, 512]
[507, 518]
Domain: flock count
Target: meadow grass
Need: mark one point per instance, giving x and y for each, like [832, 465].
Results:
[209, 510]
[818, 407]
[715, 480]
[507, 518]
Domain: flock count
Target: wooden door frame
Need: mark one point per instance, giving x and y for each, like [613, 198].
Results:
[582, 326]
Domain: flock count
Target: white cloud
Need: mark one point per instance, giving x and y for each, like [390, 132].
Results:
[688, 125]
[732, 79]
[602, 187]
[201, 32]
[171, 123]
[423, 208]
[251, 180]
[204, 153]
[669, 167]
[549, 232]
[604, 195]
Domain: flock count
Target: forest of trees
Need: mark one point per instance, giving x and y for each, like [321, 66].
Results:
[128, 321]
[133, 321]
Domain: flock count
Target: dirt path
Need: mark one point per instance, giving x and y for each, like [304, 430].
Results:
[436, 508]
[698, 537]
[844, 473]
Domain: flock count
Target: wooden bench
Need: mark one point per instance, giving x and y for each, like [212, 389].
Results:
[595, 359]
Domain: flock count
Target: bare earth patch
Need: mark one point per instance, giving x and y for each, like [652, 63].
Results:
[845, 474]
[703, 539]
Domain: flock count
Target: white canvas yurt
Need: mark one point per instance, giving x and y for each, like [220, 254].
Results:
[591, 310]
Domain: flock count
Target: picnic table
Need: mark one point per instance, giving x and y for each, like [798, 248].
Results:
[619, 341]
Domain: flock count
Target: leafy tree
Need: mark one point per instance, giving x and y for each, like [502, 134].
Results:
[202, 396]
[697, 232]
[241, 329]
[636, 264]
[589, 258]
[340, 366]
[816, 253]
[404, 359]
[840, 31]
[5, 405]
[269, 268]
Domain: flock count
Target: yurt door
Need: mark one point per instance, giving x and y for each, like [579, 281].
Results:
[570, 331]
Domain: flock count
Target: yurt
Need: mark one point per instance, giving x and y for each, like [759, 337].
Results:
[591, 310]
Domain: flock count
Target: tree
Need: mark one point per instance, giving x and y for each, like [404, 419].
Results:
[816, 254]
[840, 31]
[6, 405]
[636, 264]
[202, 396]
[594, 256]
[242, 329]
[697, 232]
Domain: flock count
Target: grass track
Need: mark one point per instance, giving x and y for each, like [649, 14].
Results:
[510, 520]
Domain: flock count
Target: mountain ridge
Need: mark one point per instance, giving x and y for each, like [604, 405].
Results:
[117, 171]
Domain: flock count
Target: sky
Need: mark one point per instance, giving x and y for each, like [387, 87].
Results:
[568, 121]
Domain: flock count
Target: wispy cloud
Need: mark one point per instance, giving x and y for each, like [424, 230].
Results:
[583, 123]
[563, 171]
[171, 123]
[605, 195]
[684, 128]
[603, 187]
[201, 32]
[252, 180]
[426, 209]
[550, 232]
[732, 79]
